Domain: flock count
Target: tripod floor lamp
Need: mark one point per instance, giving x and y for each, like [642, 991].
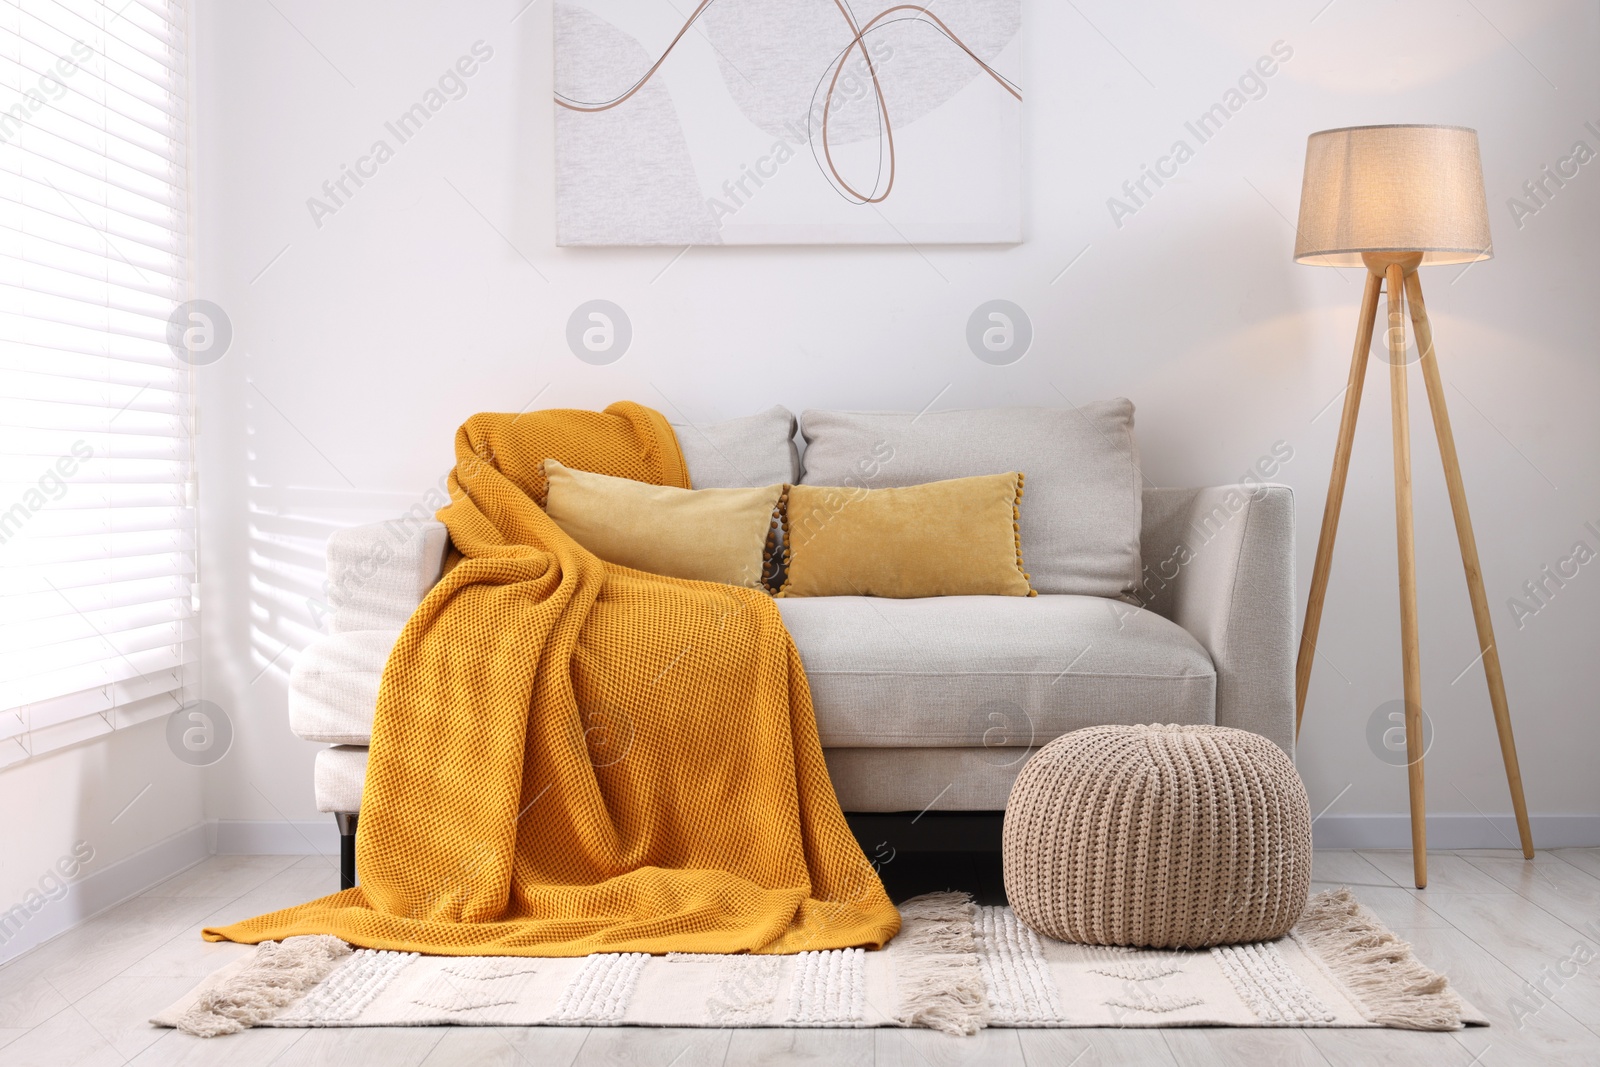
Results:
[1392, 199]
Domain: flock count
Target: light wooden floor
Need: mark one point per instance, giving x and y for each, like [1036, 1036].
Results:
[1489, 921]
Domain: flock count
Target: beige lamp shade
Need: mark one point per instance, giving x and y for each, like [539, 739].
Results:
[1392, 189]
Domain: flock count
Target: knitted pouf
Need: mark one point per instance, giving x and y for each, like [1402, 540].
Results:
[1158, 837]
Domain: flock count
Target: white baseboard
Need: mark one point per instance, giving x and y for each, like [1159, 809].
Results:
[108, 887]
[129, 877]
[298, 837]
[1455, 831]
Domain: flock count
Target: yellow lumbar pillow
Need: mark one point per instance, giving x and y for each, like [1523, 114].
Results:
[950, 538]
[710, 535]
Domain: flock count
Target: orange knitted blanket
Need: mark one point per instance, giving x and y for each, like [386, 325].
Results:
[572, 757]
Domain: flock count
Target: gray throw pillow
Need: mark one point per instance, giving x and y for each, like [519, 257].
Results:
[742, 453]
[1081, 500]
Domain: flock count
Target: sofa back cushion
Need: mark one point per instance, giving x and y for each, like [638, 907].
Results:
[743, 453]
[1080, 520]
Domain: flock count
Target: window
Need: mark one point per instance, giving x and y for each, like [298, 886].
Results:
[97, 532]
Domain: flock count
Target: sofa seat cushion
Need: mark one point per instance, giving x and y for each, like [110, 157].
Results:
[992, 672]
[941, 672]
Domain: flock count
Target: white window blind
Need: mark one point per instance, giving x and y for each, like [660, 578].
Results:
[97, 550]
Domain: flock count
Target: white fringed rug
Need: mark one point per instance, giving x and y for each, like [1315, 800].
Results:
[955, 967]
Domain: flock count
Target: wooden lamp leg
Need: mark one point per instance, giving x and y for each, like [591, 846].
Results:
[1410, 647]
[1469, 556]
[1330, 510]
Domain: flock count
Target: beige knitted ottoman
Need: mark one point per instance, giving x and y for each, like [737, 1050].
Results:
[1158, 837]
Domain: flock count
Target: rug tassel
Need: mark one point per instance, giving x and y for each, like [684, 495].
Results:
[1389, 984]
[280, 973]
[940, 982]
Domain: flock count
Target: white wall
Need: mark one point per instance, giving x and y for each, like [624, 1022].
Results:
[437, 292]
[89, 825]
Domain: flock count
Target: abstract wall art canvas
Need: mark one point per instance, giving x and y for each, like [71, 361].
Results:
[788, 122]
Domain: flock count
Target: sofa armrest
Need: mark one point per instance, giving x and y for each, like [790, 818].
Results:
[379, 573]
[333, 686]
[1220, 563]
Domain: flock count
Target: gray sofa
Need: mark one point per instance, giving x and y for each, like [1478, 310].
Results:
[921, 705]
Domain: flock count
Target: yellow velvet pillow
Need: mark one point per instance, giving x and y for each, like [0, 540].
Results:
[950, 538]
[711, 535]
